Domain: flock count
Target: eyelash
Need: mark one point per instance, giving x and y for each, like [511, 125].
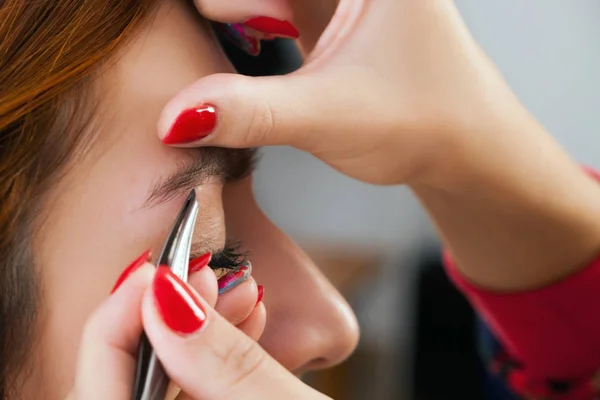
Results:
[230, 257]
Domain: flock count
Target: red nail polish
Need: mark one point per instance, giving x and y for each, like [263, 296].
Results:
[131, 269]
[261, 293]
[233, 278]
[199, 262]
[176, 303]
[238, 35]
[192, 124]
[272, 26]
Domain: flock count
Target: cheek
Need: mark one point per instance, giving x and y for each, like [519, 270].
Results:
[99, 223]
[94, 230]
[82, 249]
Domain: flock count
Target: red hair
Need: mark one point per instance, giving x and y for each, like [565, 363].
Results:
[49, 52]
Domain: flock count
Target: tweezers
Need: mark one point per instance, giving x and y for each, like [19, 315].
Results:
[151, 381]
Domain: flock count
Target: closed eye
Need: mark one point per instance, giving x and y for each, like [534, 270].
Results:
[201, 166]
[229, 257]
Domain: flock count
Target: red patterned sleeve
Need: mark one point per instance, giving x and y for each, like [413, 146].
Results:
[553, 332]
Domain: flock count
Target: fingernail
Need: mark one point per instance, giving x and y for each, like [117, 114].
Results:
[261, 293]
[237, 34]
[199, 262]
[138, 262]
[234, 278]
[176, 303]
[192, 124]
[272, 26]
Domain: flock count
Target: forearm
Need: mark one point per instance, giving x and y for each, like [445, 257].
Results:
[518, 213]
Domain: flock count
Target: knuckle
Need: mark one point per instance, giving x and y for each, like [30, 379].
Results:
[262, 123]
[244, 358]
[96, 328]
[90, 328]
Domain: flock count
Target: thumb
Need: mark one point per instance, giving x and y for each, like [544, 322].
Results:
[235, 111]
[207, 357]
[107, 356]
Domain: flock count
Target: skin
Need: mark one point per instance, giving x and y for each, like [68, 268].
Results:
[97, 221]
[435, 114]
[443, 121]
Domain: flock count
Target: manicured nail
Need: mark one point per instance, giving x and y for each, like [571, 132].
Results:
[261, 293]
[199, 262]
[192, 124]
[237, 34]
[235, 277]
[131, 269]
[272, 26]
[176, 303]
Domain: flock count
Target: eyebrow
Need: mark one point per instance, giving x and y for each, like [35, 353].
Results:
[200, 166]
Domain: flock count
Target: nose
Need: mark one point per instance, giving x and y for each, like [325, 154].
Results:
[309, 324]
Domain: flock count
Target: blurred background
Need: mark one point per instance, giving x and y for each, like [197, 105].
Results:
[377, 245]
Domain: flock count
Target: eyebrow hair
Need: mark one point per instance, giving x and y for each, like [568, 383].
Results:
[200, 166]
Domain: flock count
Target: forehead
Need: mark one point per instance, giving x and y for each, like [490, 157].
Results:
[173, 49]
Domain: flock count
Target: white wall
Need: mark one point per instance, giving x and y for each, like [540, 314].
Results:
[549, 51]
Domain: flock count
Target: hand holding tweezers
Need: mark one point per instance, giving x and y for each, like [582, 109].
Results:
[151, 380]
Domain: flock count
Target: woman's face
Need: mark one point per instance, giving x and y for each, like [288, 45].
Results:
[114, 203]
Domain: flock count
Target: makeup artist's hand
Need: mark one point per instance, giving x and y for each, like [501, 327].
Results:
[398, 91]
[203, 354]
[393, 92]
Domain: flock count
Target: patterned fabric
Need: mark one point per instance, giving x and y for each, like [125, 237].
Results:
[548, 333]
[513, 378]
[488, 347]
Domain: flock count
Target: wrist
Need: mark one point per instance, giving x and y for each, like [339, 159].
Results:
[476, 139]
[515, 211]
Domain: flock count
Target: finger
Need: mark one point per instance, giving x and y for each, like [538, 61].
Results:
[302, 110]
[107, 356]
[206, 356]
[237, 304]
[204, 282]
[243, 10]
[254, 325]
